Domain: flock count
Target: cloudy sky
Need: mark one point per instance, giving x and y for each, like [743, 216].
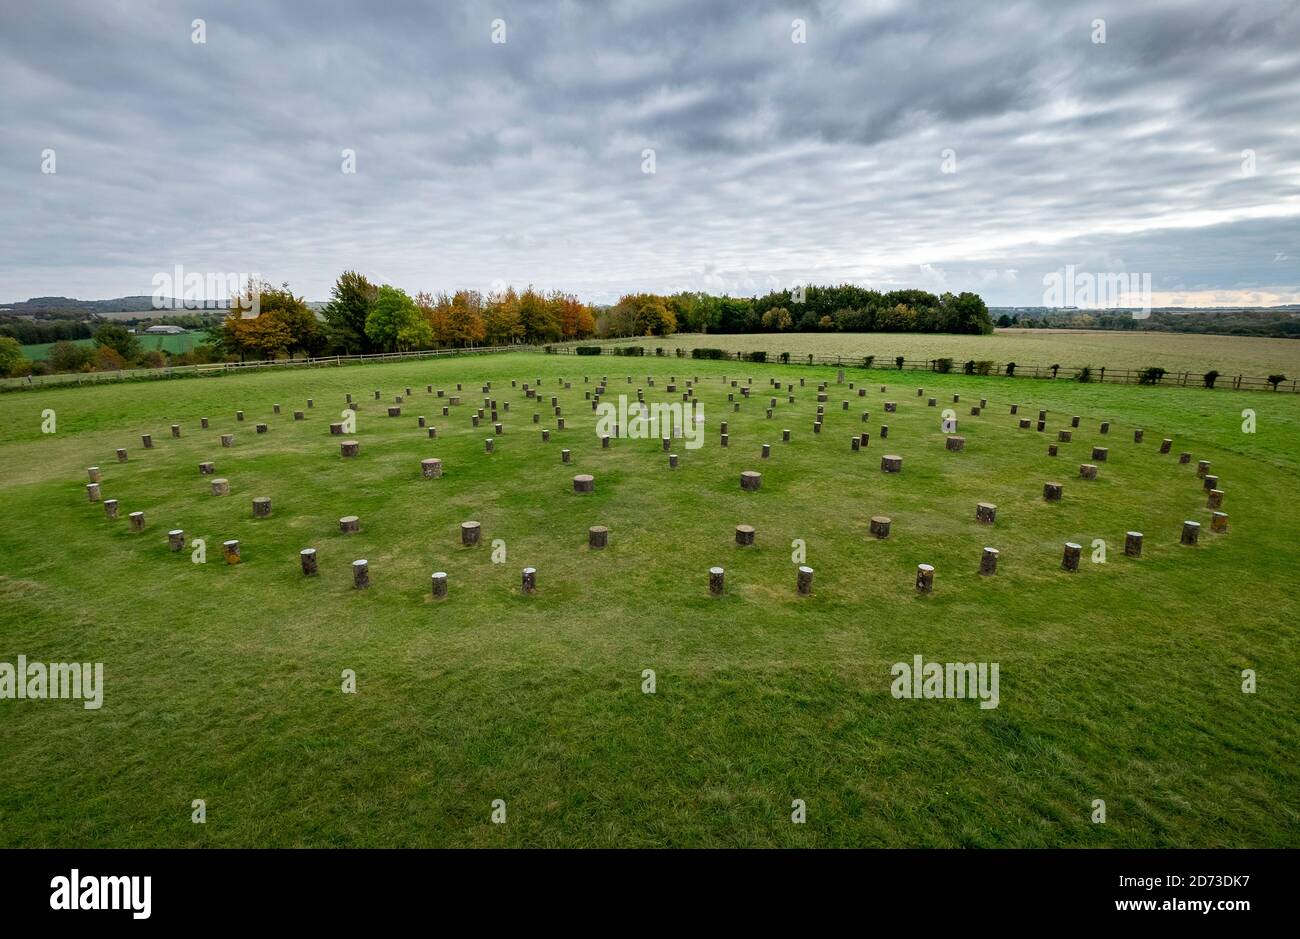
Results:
[653, 145]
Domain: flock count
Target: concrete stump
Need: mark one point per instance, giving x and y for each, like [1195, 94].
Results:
[261, 428]
[864, 439]
[307, 560]
[310, 404]
[785, 436]
[299, 415]
[439, 581]
[1041, 426]
[817, 427]
[564, 456]
[891, 463]
[1042, 415]
[989, 562]
[584, 482]
[275, 408]
[1087, 471]
[985, 512]
[672, 461]
[221, 487]
[239, 415]
[1184, 458]
[336, 430]
[137, 521]
[880, 526]
[433, 433]
[446, 411]
[767, 451]
[121, 455]
[866, 416]
[744, 534]
[1219, 522]
[1100, 454]
[604, 442]
[1211, 482]
[955, 443]
[716, 575]
[203, 422]
[751, 481]
[725, 439]
[1215, 499]
[1074, 421]
[546, 435]
[420, 421]
[1133, 544]
[262, 507]
[1015, 408]
[489, 445]
[1191, 530]
[469, 533]
[1166, 445]
[803, 581]
[93, 474]
[1064, 436]
[110, 508]
[855, 444]
[1052, 492]
[361, 574]
[92, 492]
[230, 551]
[227, 440]
[176, 430]
[1105, 427]
[1051, 449]
[597, 536]
[1070, 558]
[529, 580]
[431, 468]
[884, 431]
[891, 406]
[175, 540]
[349, 448]
[349, 525]
[924, 578]
[1137, 436]
[147, 440]
[1202, 467]
[1025, 423]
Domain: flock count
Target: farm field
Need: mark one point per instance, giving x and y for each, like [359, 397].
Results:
[1231, 355]
[1120, 682]
[183, 342]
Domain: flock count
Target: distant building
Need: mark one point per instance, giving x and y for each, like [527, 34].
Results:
[164, 331]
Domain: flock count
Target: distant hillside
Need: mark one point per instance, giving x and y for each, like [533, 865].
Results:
[70, 306]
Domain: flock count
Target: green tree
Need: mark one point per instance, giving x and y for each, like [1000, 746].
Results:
[351, 299]
[67, 356]
[12, 360]
[120, 339]
[395, 322]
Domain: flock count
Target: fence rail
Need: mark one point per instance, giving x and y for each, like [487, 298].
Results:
[1102, 374]
[221, 368]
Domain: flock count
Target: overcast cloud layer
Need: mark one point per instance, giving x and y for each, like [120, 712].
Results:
[776, 162]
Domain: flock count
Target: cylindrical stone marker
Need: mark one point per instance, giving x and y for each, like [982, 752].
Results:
[529, 580]
[785, 436]
[1052, 492]
[855, 444]
[767, 451]
[672, 461]
[221, 487]
[121, 455]
[175, 539]
[176, 430]
[1015, 409]
[275, 408]
[207, 469]
[1133, 544]
[137, 521]
[361, 574]
[546, 435]
[349, 525]
[751, 481]
[744, 534]
[880, 526]
[439, 581]
[489, 445]
[1202, 467]
[1064, 436]
[604, 442]
[1184, 458]
[985, 512]
[433, 433]
[239, 415]
[1087, 471]
[955, 443]
[597, 536]
[470, 533]
[1190, 532]
[307, 559]
[349, 448]
[1215, 499]
[1070, 558]
[1099, 454]
[147, 440]
[1105, 427]
[891, 406]
[804, 580]
[262, 507]
[1052, 449]
[891, 463]
[924, 578]
[989, 562]
[725, 439]
[1211, 482]
[261, 428]
[230, 551]
[716, 575]
[564, 456]
[1166, 445]
[227, 440]
[92, 492]
[1219, 521]
[1137, 435]
[110, 508]
[584, 482]
[203, 422]
[431, 468]
[336, 430]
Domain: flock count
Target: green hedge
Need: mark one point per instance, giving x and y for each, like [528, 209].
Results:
[701, 353]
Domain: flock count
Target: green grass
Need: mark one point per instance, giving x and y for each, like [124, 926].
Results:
[1069, 348]
[174, 344]
[1120, 682]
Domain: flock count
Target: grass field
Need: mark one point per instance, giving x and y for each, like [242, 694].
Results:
[174, 344]
[1120, 682]
[1231, 355]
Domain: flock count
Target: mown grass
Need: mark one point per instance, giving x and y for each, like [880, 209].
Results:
[1070, 348]
[1121, 682]
[175, 344]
